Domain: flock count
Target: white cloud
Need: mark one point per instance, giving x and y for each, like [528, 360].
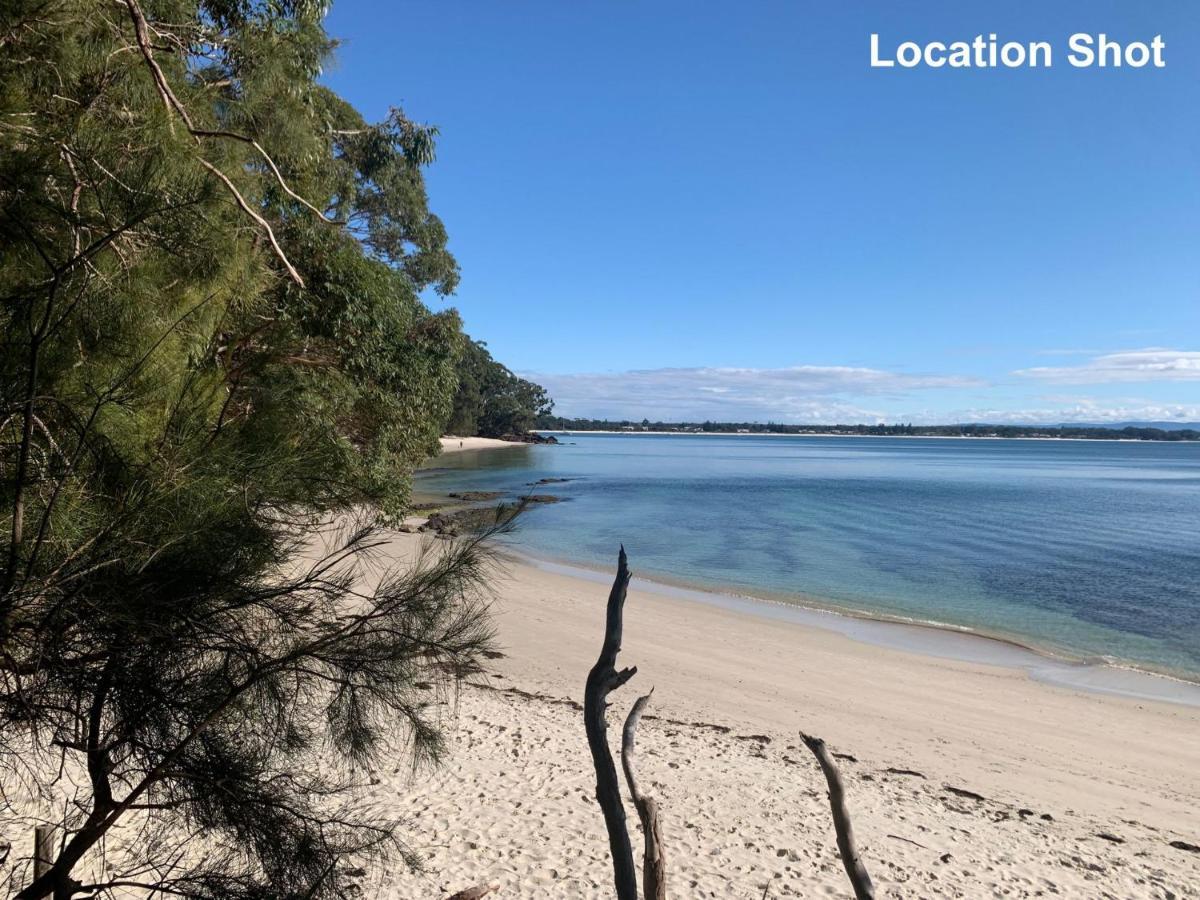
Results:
[1076, 410]
[851, 394]
[1149, 364]
[795, 394]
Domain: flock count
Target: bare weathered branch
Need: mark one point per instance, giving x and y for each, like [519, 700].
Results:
[601, 681]
[233, 136]
[654, 866]
[855, 870]
[254, 214]
[140, 28]
[173, 105]
[474, 893]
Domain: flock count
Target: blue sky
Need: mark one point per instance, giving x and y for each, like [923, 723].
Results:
[701, 210]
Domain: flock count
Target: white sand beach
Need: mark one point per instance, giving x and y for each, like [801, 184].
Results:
[965, 780]
[452, 444]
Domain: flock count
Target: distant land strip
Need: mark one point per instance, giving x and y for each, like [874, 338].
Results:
[978, 430]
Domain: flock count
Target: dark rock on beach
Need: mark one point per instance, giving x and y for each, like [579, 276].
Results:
[963, 792]
[466, 521]
[477, 496]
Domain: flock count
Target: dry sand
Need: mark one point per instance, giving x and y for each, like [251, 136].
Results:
[452, 444]
[965, 780]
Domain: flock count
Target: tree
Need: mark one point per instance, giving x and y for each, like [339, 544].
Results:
[215, 352]
[491, 401]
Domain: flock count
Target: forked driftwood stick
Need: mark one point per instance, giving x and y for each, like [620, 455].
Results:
[855, 870]
[654, 866]
[601, 681]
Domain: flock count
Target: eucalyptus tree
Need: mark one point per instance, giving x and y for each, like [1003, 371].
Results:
[214, 346]
[491, 400]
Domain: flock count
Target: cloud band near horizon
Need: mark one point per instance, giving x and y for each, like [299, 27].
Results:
[821, 394]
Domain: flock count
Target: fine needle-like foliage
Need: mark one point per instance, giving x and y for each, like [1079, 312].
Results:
[214, 358]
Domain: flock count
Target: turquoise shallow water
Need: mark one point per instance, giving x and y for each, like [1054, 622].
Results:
[1091, 549]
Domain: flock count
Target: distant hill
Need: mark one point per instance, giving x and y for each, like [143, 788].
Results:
[1170, 431]
[1161, 426]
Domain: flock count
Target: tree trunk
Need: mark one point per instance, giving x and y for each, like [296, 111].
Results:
[43, 851]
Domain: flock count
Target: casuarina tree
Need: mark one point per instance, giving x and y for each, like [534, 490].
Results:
[217, 376]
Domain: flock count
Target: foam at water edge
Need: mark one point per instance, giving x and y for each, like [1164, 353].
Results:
[927, 637]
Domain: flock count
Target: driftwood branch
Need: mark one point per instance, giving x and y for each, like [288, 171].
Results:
[654, 866]
[855, 870]
[474, 893]
[601, 681]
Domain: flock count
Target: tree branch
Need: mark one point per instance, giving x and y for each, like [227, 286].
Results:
[172, 104]
[603, 679]
[274, 168]
[654, 865]
[257, 217]
[855, 870]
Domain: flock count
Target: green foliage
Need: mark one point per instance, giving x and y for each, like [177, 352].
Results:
[491, 401]
[213, 345]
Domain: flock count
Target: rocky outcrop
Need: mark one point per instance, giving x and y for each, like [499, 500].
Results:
[451, 523]
[531, 437]
[467, 521]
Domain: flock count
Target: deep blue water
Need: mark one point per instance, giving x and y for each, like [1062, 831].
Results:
[1090, 548]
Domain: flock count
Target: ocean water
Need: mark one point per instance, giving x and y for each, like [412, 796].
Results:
[1088, 549]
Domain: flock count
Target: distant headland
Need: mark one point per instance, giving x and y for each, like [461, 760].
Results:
[1159, 431]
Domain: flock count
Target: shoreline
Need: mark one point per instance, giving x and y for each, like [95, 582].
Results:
[965, 778]
[941, 640]
[453, 444]
[1042, 661]
[838, 434]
